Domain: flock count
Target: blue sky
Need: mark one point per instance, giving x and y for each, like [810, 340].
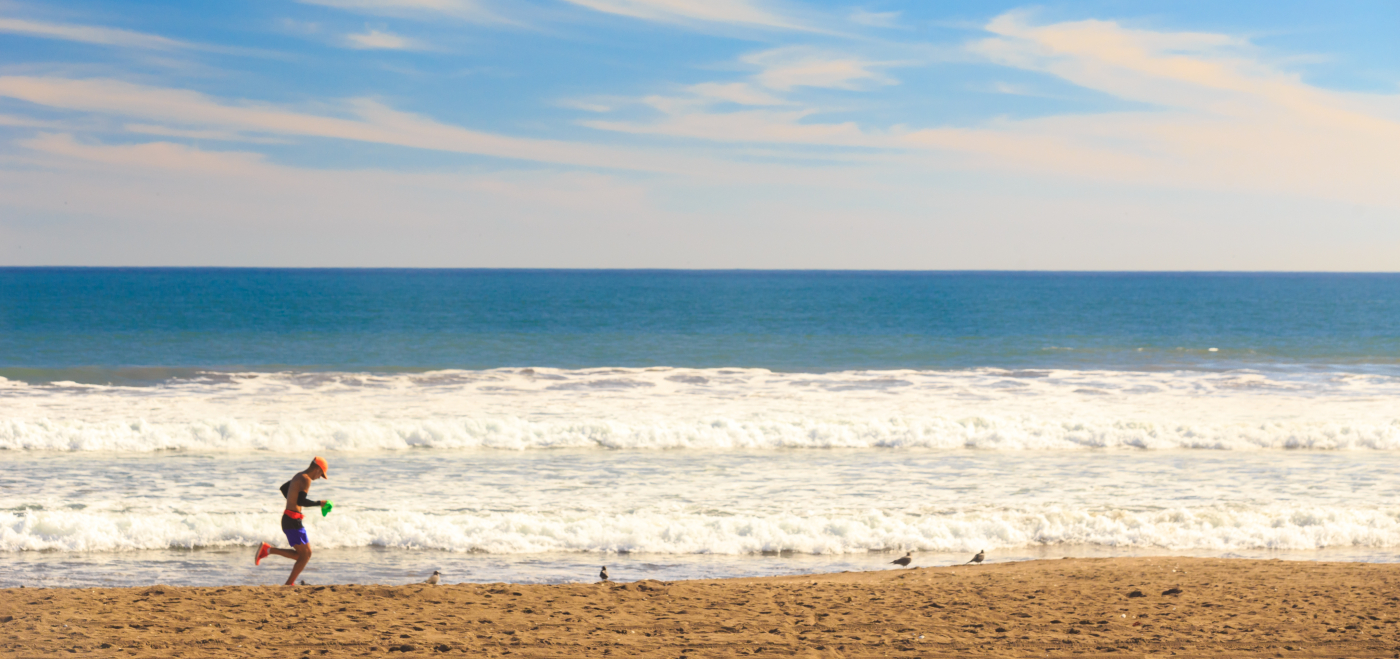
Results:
[1108, 135]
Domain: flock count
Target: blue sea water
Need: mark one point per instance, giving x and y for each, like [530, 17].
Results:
[96, 320]
[531, 425]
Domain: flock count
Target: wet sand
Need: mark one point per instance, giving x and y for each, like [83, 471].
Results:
[1070, 607]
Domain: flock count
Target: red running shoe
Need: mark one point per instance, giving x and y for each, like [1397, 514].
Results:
[262, 553]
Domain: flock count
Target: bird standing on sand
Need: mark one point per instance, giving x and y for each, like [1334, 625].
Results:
[433, 580]
[604, 574]
[978, 558]
[904, 560]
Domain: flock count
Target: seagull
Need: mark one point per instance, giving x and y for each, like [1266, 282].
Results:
[604, 574]
[432, 581]
[978, 558]
[904, 560]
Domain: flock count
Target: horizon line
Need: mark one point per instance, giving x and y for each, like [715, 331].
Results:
[4, 268]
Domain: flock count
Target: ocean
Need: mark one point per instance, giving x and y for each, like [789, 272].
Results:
[531, 426]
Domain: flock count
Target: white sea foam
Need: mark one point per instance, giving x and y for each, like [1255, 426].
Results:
[982, 432]
[1216, 528]
[723, 503]
[666, 408]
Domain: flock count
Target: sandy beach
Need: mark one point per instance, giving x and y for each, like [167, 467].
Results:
[1070, 607]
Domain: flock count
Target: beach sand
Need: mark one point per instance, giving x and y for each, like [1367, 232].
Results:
[1070, 607]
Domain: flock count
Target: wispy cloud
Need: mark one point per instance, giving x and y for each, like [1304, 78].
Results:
[804, 66]
[747, 126]
[888, 19]
[761, 14]
[1223, 118]
[1001, 87]
[27, 122]
[470, 10]
[163, 155]
[185, 133]
[739, 93]
[732, 12]
[366, 121]
[434, 5]
[170, 156]
[698, 113]
[379, 40]
[92, 34]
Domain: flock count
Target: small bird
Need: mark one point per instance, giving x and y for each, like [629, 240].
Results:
[1172, 591]
[303, 582]
[604, 574]
[978, 558]
[432, 581]
[904, 560]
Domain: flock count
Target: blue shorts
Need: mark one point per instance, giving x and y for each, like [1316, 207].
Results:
[297, 537]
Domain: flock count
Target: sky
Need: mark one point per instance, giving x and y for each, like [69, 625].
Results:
[933, 135]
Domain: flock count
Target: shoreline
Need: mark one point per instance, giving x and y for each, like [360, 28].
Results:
[387, 566]
[1057, 607]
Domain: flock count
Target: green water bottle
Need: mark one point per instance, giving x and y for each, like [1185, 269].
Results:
[325, 508]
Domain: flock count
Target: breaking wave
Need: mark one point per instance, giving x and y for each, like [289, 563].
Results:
[671, 408]
[514, 433]
[668, 532]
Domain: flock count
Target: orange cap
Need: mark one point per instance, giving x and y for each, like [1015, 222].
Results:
[320, 462]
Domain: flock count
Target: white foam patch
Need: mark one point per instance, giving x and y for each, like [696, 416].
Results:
[662, 408]
[986, 433]
[1277, 528]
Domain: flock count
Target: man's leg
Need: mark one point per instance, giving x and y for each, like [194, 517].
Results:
[267, 550]
[303, 556]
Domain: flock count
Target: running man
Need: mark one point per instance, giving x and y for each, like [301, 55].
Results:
[295, 490]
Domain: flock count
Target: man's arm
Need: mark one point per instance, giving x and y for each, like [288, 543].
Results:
[296, 494]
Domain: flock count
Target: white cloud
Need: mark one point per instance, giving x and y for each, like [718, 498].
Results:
[1224, 119]
[379, 40]
[459, 7]
[216, 135]
[26, 122]
[431, 5]
[750, 126]
[732, 12]
[105, 36]
[763, 14]
[1012, 89]
[739, 93]
[468, 10]
[1140, 65]
[367, 121]
[694, 115]
[159, 155]
[802, 66]
[875, 18]
[588, 105]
